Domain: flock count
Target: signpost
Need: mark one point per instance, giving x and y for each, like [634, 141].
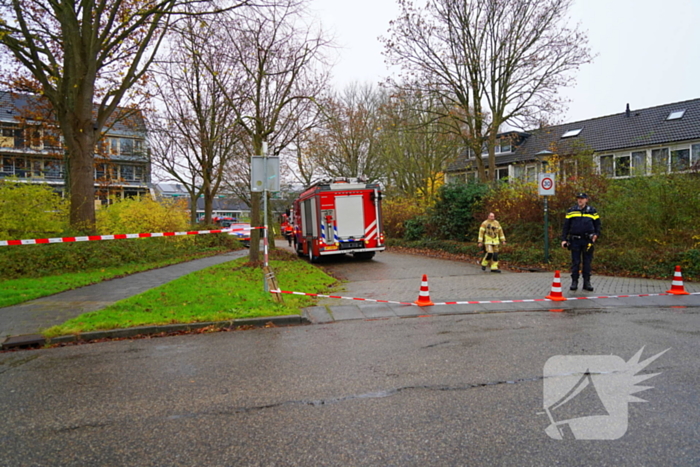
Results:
[545, 187]
[265, 177]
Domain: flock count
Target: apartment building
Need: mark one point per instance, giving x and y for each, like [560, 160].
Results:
[31, 149]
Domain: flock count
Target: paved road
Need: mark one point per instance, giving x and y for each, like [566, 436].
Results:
[432, 391]
[441, 386]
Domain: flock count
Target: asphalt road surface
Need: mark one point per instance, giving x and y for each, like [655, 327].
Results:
[436, 390]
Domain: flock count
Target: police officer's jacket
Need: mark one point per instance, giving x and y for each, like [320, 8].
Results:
[581, 222]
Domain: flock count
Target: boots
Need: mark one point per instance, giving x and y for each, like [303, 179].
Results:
[587, 284]
[574, 283]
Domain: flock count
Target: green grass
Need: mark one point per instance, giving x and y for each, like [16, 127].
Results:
[219, 293]
[14, 291]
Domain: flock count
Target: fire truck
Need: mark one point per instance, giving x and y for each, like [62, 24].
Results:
[339, 216]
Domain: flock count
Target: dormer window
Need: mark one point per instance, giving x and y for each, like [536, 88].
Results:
[572, 133]
[676, 115]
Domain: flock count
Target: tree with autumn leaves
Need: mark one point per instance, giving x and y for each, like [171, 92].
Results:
[85, 58]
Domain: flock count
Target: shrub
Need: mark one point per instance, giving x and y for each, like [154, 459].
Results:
[396, 212]
[44, 260]
[655, 211]
[30, 210]
[453, 215]
[142, 215]
[415, 228]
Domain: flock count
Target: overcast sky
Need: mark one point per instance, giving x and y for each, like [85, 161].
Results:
[646, 50]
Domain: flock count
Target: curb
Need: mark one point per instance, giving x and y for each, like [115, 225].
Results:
[37, 340]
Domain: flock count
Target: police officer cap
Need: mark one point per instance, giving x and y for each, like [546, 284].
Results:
[582, 195]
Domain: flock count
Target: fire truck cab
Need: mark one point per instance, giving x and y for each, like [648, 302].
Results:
[339, 216]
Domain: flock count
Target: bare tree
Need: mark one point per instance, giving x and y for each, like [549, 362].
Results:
[280, 63]
[195, 136]
[494, 61]
[345, 144]
[83, 56]
[415, 146]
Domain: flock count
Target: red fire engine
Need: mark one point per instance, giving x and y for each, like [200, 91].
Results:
[339, 216]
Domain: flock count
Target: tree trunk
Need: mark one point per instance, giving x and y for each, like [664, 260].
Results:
[81, 173]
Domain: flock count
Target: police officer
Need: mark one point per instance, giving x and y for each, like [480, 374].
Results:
[581, 230]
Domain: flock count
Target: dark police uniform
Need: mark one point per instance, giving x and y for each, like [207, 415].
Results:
[579, 228]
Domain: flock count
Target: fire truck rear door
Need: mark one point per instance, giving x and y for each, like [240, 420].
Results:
[350, 216]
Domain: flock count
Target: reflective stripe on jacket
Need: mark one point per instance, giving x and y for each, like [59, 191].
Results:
[581, 222]
[491, 233]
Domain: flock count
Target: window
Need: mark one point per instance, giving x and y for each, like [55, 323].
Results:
[35, 138]
[126, 146]
[519, 172]
[19, 138]
[138, 146]
[572, 133]
[38, 168]
[502, 174]
[100, 171]
[676, 115]
[680, 160]
[606, 165]
[127, 172]
[20, 167]
[659, 160]
[113, 145]
[639, 162]
[569, 167]
[530, 174]
[622, 166]
[8, 166]
[53, 169]
[695, 156]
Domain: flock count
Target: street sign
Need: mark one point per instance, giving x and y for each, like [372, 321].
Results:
[262, 177]
[545, 184]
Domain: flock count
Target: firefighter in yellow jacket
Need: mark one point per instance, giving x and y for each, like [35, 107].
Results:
[491, 236]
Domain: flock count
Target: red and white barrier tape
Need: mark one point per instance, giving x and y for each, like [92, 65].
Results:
[90, 238]
[337, 296]
[565, 299]
[476, 302]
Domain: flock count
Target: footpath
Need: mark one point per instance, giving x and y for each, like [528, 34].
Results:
[454, 287]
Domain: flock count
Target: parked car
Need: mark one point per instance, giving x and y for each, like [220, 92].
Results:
[243, 236]
[225, 222]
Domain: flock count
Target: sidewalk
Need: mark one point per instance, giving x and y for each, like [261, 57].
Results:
[397, 277]
[33, 316]
[389, 276]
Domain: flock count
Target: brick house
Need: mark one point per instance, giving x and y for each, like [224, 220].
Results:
[655, 140]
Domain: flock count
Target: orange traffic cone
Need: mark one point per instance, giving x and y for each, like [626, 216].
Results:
[677, 284]
[556, 294]
[424, 294]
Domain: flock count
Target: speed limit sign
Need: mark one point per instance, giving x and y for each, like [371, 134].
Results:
[545, 184]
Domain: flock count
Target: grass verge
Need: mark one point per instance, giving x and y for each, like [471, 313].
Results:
[224, 292]
[14, 291]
